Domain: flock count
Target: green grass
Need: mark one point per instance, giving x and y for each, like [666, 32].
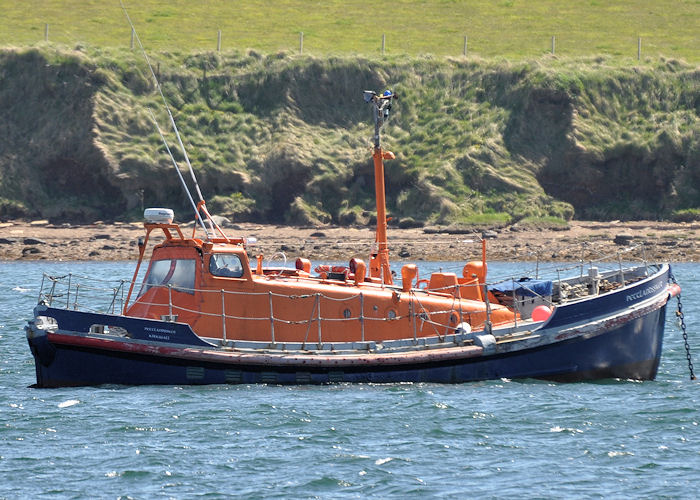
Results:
[285, 138]
[687, 215]
[485, 219]
[513, 29]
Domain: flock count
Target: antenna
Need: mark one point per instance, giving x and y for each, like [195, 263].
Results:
[177, 168]
[177, 133]
[381, 105]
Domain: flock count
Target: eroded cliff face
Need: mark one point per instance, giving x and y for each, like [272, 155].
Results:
[51, 165]
[286, 139]
[629, 145]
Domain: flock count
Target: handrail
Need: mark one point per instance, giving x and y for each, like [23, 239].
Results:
[121, 284]
[83, 298]
[174, 308]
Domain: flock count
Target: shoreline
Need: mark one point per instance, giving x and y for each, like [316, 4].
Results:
[582, 240]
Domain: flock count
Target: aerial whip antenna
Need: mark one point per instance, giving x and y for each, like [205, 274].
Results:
[177, 133]
[177, 168]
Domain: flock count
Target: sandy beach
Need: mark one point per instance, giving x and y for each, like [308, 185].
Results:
[675, 242]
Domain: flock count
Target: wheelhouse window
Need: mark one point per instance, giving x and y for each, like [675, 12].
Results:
[225, 265]
[179, 273]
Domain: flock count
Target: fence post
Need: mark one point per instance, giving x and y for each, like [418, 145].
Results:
[464, 51]
[553, 44]
[133, 33]
[218, 41]
[383, 43]
[301, 42]
[639, 48]
[46, 32]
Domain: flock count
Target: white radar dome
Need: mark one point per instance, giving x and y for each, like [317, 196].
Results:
[158, 215]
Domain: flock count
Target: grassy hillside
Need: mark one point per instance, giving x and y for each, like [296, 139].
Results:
[512, 29]
[286, 138]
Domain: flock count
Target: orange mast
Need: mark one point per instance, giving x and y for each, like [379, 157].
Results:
[379, 260]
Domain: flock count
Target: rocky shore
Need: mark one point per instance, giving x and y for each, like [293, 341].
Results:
[675, 242]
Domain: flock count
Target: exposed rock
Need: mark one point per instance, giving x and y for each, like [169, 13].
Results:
[33, 241]
[623, 239]
[221, 221]
[585, 240]
[460, 230]
[409, 222]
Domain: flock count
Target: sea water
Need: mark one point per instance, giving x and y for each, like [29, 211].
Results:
[502, 438]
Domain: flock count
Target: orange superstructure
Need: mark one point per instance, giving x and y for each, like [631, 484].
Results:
[210, 284]
[184, 283]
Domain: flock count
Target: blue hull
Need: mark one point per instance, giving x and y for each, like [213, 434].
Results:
[615, 335]
[631, 351]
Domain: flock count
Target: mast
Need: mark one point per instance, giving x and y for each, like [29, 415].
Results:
[379, 259]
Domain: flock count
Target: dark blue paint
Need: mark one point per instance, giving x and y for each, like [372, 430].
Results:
[138, 328]
[630, 351]
[610, 303]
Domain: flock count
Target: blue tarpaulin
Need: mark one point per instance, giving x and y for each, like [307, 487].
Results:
[525, 287]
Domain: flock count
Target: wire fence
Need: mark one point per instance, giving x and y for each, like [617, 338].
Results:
[218, 38]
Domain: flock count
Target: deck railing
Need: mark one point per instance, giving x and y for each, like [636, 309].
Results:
[78, 292]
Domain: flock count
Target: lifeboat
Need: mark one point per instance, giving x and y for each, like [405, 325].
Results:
[209, 311]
